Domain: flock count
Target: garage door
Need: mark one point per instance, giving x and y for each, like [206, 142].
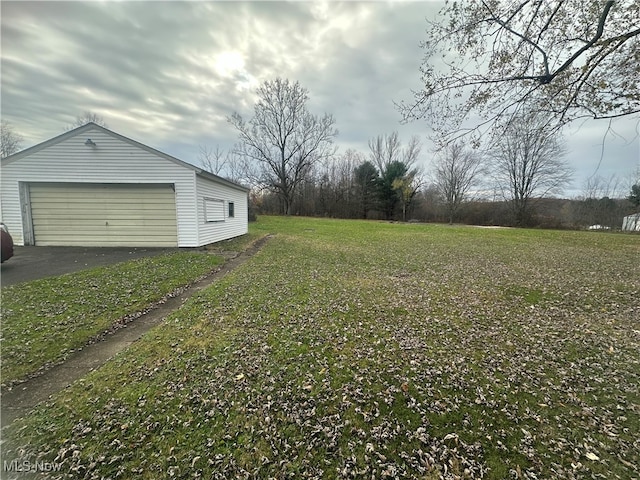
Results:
[103, 214]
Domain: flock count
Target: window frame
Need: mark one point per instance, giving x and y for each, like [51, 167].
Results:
[210, 206]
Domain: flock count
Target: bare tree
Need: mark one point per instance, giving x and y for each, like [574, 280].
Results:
[386, 149]
[87, 117]
[241, 170]
[10, 141]
[229, 165]
[337, 184]
[565, 59]
[213, 160]
[456, 171]
[528, 162]
[599, 187]
[284, 138]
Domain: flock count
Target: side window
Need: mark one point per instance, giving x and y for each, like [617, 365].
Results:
[231, 209]
[213, 210]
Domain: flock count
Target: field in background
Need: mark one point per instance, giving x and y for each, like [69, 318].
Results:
[374, 350]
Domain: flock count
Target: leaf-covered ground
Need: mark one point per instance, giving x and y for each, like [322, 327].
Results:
[352, 349]
[45, 320]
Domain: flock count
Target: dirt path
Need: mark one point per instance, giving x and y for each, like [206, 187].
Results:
[21, 398]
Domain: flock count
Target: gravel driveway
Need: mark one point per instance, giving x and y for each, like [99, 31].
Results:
[31, 263]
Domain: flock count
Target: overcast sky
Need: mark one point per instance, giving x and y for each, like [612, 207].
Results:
[168, 74]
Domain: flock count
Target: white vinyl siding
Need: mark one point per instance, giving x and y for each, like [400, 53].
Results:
[210, 232]
[117, 160]
[103, 215]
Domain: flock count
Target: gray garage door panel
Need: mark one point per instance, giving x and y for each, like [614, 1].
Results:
[104, 214]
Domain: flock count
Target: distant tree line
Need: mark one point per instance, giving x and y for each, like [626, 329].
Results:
[383, 185]
[286, 155]
[458, 186]
[338, 191]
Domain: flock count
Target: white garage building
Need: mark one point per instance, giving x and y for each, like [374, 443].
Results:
[93, 187]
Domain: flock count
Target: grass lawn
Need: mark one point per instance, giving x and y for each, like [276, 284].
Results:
[45, 320]
[349, 349]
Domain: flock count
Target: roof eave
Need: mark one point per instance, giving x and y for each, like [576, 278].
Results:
[224, 181]
[94, 126]
[48, 143]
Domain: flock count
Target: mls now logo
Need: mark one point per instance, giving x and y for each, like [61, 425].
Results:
[29, 466]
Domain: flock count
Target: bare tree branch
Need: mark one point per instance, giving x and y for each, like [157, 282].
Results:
[213, 160]
[86, 117]
[456, 171]
[566, 59]
[283, 138]
[10, 141]
[528, 163]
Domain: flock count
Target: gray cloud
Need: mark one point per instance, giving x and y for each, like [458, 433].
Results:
[169, 73]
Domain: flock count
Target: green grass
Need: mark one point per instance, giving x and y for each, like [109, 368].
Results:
[361, 349]
[45, 320]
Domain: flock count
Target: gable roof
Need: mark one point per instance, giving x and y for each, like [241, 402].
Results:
[92, 127]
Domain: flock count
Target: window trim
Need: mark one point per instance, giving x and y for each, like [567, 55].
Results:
[210, 206]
